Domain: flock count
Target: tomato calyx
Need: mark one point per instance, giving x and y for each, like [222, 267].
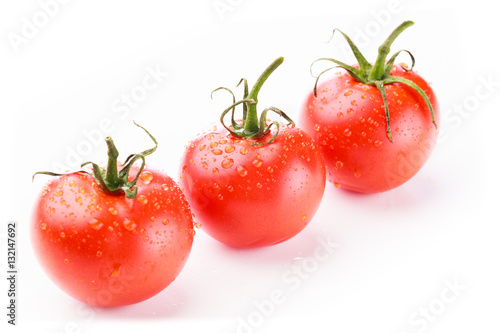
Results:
[252, 126]
[110, 180]
[379, 74]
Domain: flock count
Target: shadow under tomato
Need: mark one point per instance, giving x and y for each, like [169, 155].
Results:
[171, 302]
[417, 192]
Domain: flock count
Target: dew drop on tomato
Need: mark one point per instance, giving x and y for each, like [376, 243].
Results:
[357, 173]
[257, 163]
[95, 224]
[129, 224]
[142, 199]
[227, 163]
[242, 171]
[216, 151]
[146, 177]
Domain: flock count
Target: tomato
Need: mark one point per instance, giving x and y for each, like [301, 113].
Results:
[251, 196]
[375, 132]
[106, 249]
[253, 191]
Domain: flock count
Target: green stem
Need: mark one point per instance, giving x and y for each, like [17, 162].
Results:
[252, 118]
[378, 68]
[111, 178]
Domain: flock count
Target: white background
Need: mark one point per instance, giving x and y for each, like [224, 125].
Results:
[392, 256]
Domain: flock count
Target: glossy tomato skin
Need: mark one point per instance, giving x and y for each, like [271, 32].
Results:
[252, 196]
[347, 120]
[107, 250]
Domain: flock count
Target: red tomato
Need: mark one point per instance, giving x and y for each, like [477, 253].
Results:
[106, 249]
[252, 184]
[347, 119]
[251, 196]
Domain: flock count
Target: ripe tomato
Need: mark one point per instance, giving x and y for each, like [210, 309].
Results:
[253, 191]
[251, 196]
[375, 132]
[109, 250]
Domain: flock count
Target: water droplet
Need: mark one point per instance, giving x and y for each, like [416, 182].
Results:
[165, 221]
[142, 199]
[357, 173]
[66, 260]
[363, 134]
[257, 163]
[363, 96]
[304, 217]
[350, 111]
[146, 238]
[348, 93]
[229, 149]
[216, 151]
[146, 177]
[230, 188]
[354, 103]
[222, 141]
[220, 197]
[270, 170]
[116, 270]
[377, 143]
[112, 211]
[242, 171]
[197, 225]
[43, 226]
[340, 115]
[202, 147]
[98, 253]
[347, 132]
[58, 193]
[259, 185]
[214, 144]
[337, 185]
[215, 171]
[316, 127]
[339, 164]
[95, 224]
[227, 163]
[72, 184]
[129, 224]
[78, 199]
[244, 151]
[62, 235]
[142, 231]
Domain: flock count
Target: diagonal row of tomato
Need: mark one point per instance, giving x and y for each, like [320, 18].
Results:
[120, 234]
